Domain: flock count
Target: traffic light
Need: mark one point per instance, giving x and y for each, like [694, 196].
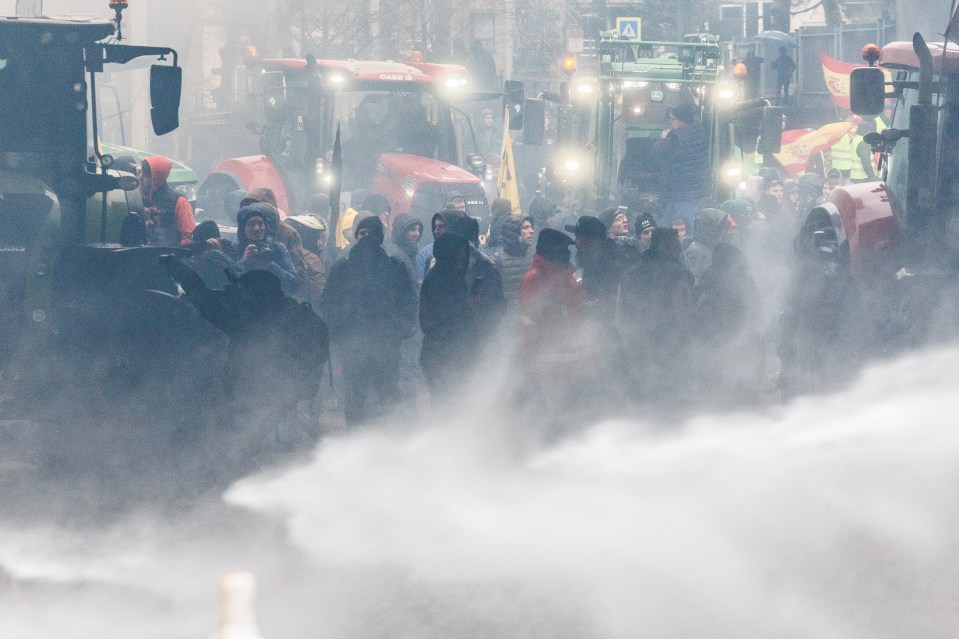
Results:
[569, 64]
[513, 102]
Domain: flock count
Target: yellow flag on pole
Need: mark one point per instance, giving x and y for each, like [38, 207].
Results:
[507, 186]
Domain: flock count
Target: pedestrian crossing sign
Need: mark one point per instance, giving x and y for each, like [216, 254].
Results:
[629, 28]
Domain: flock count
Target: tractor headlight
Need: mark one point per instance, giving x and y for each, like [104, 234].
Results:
[731, 172]
[476, 161]
[188, 191]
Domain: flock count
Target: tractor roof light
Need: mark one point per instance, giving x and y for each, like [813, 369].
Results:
[870, 53]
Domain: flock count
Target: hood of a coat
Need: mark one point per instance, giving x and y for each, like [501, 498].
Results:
[160, 168]
[540, 209]
[401, 225]
[269, 214]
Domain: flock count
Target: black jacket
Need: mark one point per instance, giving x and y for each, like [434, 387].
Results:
[369, 298]
[684, 154]
[445, 312]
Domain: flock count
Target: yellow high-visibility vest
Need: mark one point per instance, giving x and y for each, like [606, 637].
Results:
[856, 172]
[843, 152]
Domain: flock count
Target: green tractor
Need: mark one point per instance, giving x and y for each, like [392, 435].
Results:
[56, 262]
[609, 123]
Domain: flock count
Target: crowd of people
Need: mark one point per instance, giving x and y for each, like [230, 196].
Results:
[660, 302]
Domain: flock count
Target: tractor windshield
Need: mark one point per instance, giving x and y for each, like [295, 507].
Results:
[29, 99]
[376, 122]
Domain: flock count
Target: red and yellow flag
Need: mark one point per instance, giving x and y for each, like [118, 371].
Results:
[507, 185]
[836, 73]
[799, 145]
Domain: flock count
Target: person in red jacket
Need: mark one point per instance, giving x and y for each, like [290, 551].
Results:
[167, 214]
[551, 307]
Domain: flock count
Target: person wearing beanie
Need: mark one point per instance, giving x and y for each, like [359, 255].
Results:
[514, 255]
[645, 226]
[257, 247]
[543, 212]
[499, 210]
[551, 310]
[595, 255]
[379, 206]
[370, 306]
[371, 226]
[616, 221]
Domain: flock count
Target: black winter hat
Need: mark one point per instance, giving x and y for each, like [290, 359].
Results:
[607, 216]
[373, 225]
[205, 230]
[465, 226]
[261, 283]
[376, 204]
[550, 240]
[588, 226]
[645, 222]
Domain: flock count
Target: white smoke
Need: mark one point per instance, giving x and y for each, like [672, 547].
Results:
[829, 517]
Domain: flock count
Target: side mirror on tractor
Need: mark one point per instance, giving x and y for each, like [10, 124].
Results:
[867, 91]
[515, 95]
[166, 83]
[771, 132]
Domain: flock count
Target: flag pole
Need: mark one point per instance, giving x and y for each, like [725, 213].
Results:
[336, 168]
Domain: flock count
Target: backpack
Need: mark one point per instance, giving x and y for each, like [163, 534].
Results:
[307, 348]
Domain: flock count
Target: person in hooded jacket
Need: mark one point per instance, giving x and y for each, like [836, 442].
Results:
[277, 349]
[543, 213]
[446, 316]
[406, 234]
[500, 210]
[513, 256]
[482, 278]
[313, 275]
[425, 255]
[550, 302]
[601, 271]
[258, 249]
[211, 255]
[167, 214]
[730, 328]
[655, 315]
[370, 305]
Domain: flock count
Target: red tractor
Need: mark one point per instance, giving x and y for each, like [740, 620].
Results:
[402, 136]
[878, 261]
